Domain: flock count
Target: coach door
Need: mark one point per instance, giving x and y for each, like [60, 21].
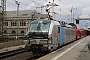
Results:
[58, 35]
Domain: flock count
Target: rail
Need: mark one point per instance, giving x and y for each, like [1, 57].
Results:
[11, 53]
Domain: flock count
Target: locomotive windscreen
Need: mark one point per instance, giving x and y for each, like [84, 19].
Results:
[39, 28]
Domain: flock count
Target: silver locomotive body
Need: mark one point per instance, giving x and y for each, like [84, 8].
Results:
[43, 35]
[48, 35]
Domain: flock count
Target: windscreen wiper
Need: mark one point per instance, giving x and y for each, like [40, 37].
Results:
[39, 29]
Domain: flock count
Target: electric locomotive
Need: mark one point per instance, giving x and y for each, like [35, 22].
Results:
[48, 35]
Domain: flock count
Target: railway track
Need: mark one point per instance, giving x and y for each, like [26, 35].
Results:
[6, 39]
[18, 54]
[11, 53]
[21, 54]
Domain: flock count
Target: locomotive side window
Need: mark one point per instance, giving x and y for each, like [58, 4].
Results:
[58, 29]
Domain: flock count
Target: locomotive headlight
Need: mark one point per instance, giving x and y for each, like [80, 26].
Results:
[50, 40]
[28, 41]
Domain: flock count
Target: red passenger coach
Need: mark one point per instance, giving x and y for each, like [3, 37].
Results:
[78, 34]
[83, 32]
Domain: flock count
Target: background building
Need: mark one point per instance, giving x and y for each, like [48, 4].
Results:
[14, 26]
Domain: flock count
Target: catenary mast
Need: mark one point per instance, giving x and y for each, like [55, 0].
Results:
[3, 5]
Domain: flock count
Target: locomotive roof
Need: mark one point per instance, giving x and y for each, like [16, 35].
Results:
[72, 24]
[41, 21]
[46, 21]
[69, 26]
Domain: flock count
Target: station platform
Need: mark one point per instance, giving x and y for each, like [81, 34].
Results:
[76, 51]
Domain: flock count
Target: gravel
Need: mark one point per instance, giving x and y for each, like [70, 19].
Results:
[12, 43]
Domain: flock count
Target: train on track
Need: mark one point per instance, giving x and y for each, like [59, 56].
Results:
[79, 32]
[48, 35]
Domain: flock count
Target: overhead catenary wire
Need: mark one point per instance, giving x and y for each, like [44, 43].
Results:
[37, 4]
[25, 4]
[41, 7]
[48, 1]
[62, 11]
[12, 4]
[59, 9]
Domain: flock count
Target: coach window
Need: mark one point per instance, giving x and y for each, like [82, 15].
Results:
[58, 29]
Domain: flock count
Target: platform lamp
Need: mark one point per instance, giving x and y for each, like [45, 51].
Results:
[18, 3]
